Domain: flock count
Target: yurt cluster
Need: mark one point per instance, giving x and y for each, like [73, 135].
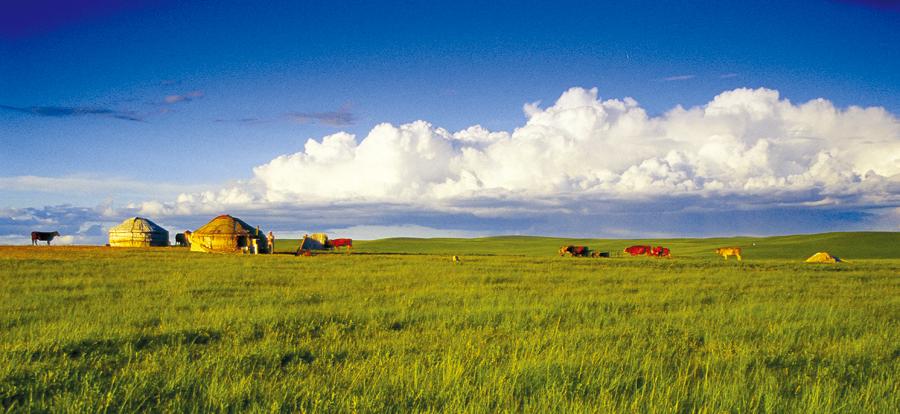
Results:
[223, 234]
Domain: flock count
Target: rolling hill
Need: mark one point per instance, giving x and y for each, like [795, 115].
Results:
[850, 245]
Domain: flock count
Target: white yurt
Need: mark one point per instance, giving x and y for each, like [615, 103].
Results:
[138, 232]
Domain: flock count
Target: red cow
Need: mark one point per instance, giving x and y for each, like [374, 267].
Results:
[638, 250]
[348, 243]
[660, 251]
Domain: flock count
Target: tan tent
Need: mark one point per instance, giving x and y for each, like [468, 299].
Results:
[823, 257]
[321, 238]
[226, 234]
[317, 241]
[138, 232]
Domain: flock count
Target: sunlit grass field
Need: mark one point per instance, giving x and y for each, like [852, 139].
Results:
[398, 327]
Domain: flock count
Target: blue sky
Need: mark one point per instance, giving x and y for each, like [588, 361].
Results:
[107, 104]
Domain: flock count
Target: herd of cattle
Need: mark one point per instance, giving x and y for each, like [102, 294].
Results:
[656, 251]
[652, 251]
[584, 251]
[568, 250]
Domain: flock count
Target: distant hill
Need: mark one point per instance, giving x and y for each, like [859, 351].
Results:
[855, 245]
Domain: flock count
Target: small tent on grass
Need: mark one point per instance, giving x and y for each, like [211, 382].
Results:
[823, 257]
[321, 238]
[226, 234]
[138, 232]
[316, 241]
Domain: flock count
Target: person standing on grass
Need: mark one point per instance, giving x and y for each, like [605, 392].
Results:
[270, 242]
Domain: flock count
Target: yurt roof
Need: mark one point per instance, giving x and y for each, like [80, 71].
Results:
[226, 224]
[137, 225]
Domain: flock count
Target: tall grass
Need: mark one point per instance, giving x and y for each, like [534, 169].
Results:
[93, 329]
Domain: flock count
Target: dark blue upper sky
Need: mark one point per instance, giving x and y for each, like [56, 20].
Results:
[140, 91]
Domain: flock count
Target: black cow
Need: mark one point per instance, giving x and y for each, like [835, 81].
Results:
[183, 239]
[37, 236]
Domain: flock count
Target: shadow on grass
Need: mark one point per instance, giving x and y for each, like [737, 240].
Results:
[115, 347]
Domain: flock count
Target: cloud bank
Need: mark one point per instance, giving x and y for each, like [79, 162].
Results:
[747, 162]
[747, 144]
[747, 154]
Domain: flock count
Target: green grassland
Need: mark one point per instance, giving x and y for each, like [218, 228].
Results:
[860, 245]
[397, 327]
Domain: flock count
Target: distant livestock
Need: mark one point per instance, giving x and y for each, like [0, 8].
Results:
[660, 251]
[456, 260]
[657, 251]
[348, 243]
[729, 251]
[183, 239]
[37, 236]
[638, 250]
[581, 251]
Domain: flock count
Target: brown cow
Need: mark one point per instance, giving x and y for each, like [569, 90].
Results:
[729, 251]
[582, 251]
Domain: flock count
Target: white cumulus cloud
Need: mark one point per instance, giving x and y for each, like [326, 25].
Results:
[586, 158]
[746, 141]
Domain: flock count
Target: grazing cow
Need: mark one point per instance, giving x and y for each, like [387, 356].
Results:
[348, 243]
[599, 254]
[570, 250]
[660, 251]
[37, 236]
[729, 251]
[638, 250]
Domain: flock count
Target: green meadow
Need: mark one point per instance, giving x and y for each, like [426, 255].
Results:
[398, 327]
